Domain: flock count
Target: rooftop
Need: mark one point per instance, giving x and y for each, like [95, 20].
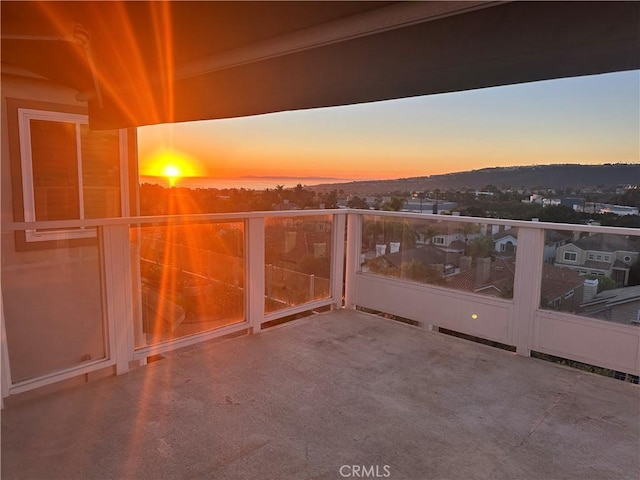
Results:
[301, 400]
[606, 243]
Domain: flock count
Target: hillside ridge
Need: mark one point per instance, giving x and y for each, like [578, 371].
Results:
[531, 176]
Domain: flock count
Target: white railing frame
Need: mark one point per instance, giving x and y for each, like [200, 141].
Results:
[338, 259]
[254, 271]
[115, 245]
[522, 315]
[523, 309]
[527, 286]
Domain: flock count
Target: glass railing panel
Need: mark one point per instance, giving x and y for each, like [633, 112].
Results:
[473, 257]
[592, 275]
[297, 260]
[191, 277]
[53, 305]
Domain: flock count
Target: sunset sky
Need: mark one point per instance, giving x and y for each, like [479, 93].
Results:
[592, 120]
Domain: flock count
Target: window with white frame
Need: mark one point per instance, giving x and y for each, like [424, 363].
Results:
[68, 171]
[438, 240]
[570, 256]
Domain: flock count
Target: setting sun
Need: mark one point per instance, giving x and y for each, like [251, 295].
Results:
[172, 173]
[170, 164]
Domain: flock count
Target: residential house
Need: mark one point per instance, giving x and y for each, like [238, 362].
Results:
[428, 205]
[505, 241]
[601, 254]
[575, 203]
[552, 240]
[620, 305]
[447, 262]
[55, 168]
[449, 236]
[620, 210]
[561, 289]
[493, 278]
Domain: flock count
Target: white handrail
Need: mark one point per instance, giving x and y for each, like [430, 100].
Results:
[236, 216]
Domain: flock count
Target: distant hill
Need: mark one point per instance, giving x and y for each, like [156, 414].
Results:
[546, 176]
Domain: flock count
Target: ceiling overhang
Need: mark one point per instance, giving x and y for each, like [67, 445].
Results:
[142, 63]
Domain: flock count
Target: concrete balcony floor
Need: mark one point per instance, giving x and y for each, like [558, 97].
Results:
[342, 388]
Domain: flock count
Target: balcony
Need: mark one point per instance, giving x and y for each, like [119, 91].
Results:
[342, 387]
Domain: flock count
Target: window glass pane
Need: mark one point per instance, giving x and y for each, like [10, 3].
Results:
[578, 278]
[100, 172]
[297, 260]
[53, 309]
[55, 170]
[472, 257]
[192, 279]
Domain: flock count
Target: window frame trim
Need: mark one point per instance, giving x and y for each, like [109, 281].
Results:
[24, 116]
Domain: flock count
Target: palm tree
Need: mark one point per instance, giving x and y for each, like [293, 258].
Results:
[279, 191]
[469, 229]
[371, 230]
[430, 231]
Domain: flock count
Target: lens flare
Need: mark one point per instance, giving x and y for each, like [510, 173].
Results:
[170, 164]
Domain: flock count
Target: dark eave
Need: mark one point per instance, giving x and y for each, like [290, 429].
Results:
[144, 63]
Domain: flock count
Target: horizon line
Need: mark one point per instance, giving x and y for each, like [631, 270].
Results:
[330, 180]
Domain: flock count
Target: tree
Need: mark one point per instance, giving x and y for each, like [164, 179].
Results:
[481, 247]
[630, 196]
[394, 204]
[404, 233]
[331, 199]
[430, 231]
[604, 283]
[559, 214]
[279, 192]
[421, 272]
[357, 202]
[473, 211]
[372, 229]
[469, 229]
[379, 265]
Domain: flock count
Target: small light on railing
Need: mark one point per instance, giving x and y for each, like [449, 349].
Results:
[474, 316]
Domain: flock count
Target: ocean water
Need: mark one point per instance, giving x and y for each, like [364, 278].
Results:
[249, 182]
